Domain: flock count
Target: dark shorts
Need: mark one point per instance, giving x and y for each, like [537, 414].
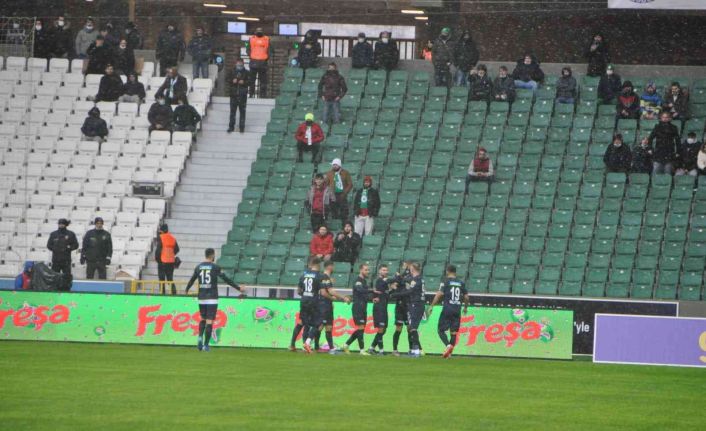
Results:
[401, 317]
[309, 313]
[360, 313]
[208, 311]
[450, 320]
[326, 313]
[416, 313]
[380, 317]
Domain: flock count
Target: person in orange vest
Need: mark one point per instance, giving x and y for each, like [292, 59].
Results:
[426, 52]
[165, 255]
[259, 50]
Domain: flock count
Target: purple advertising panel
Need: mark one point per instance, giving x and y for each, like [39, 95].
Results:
[650, 340]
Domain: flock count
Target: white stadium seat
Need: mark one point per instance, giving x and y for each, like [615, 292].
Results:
[60, 65]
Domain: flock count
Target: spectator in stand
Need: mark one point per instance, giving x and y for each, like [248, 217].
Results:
[200, 50]
[85, 38]
[665, 136]
[628, 106]
[133, 90]
[94, 127]
[309, 137]
[124, 58]
[166, 256]
[260, 51]
[41, 41]
[109, 42]
[321, 244]
[173, 87]
[15, 34]
[362, 53]
[366, 207]
[688, 153]
[480, 83]
[618, 157]
[340, 182]
[309, 51]
[598, 56]
[642, 157]
[609, 86]
[481, 168]
[650, 102]
[427, 51]
[133, 36]
[160, 115]
[701, 159]
[527, 73]
[503, 87]
[111, 86]
[332, 88]
[566, 87]
[60, 39]
[675, 102]
[99, 56]
[346, 245]
[442, 55]
[111, 35]
[318, 202]
[96, 251]
[24, 280]
[386, 53]
[465, 57]
[185, 117]
[170, 49]
[239, 82]
[62, 242]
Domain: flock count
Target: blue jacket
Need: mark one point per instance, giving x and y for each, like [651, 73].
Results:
[20, 279]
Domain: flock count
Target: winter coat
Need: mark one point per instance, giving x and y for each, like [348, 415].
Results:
[598, 59]
[373, 202]
[61, 243]
[200, 48]
[186, 115]
[466, 55]
[481, 88]
[110, 88]
[630, 103]
[666, 140]
[180, 88]
[642, 159]
[317, 134]
[688, 154]
[609, 87]
[650, 103]
[134, 89]
[332, 86]
[528, 72]
[60, 38]
[160, 114]
[618, 159]
[328, 199]
[42, 43]
[308, 54]
[134, 39]
[504, 86]
[679, 104]
[124, 61]
[84, 39]
[322, 245]
[97, 246]
[22, 281]
[362, 55]
[442, 53]
[566, 87]
[386, 55]
[99, 57]
[346, 249]
[170, 47]
[94, 125]
[239, 90]
[345, 177]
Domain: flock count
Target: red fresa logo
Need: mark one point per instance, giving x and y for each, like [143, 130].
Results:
[497, 332]
[152, 323]
[35, 316]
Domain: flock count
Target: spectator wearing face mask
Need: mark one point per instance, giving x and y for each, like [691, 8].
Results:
[124, 59]
[99, 56]
[185, 117]
[309, 51]
[133, 36]
[111, 86]
[332, 88]
[160, 115]
[84, 38]
[133, 90]
[481, 85]
[42, 42]
[238, 82]
[618, 157]
[503, 87]
[386, 53]
[609, 86]
[442, 58]
[173, 87]
[170, 49]
[650, 102]
[200, 50]
[61, 243]
[340, 182]
[676, 102]
[527, 73]
[628, 106]
[665, 136]
[309, 137]
[260, 51]
[642, 157]
[362, 53]
[688, 154]
[465, 57]
[60, 39]
[598, 56]
[15, 34]
[566, 87]
[94, 127]
[366, 207]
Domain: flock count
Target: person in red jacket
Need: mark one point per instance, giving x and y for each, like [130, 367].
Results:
[321, 245]
[309, 137]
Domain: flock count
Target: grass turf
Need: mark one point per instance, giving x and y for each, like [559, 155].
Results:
[64, 386]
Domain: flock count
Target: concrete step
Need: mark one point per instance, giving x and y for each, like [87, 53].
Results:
[202, 182]
[207, 214]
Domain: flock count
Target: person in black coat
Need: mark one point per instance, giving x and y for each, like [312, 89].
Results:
[60, 39]
[170, 48]
[124, 61]
[642, 157]
[665, 136]
[346, 245]
[609, 86]
[133, 36]
[386, 54]
[185, 117]
[42, 41]
[96, 251]
[133, 90]
[238, 82]
[527, 73]
[481, 85]
[94, 127]
[362, 53]
[366, 207]
[61, 243]
[111, 86]
[466, 57]
[309, 51]
[598, 56]
[99, 56]
[160, 115]
[628, 106]
[618, 157]
[503, 87]
[688, 153]
[173, 87]
[442, 56]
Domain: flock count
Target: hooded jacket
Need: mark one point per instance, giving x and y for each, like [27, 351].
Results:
[170, 46]
[650, 103]
[22, 281]
[505, 86]
[528, 72]
[61, 243]
[124, 61]
[185, 116]
[110, 88]
[666, 140]
[386, 55]
[94, 125]
[481, 88]
[373, 202]
[84, 39]
[618, 159]
[598, 59]
[362, 55]
[609, 87]
[332, 86]
[98, 58]
[200, 48]
[328, 199]
[466, 54]
[134, 88]
[317, 134]
[321, 244]
[97, 246]
[346, 249]
[442, 53]
[160, 114]
[642, 159]
[133, 37]
[629, 102]
[308, 57]
[566, 86]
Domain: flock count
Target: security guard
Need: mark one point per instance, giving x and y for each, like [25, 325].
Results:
[259, 50]
[96, 250]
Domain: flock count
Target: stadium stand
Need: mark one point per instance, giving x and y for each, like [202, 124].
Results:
[47, 172]
[553, 222]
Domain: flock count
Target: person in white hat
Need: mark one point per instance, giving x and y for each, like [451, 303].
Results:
[340, 182]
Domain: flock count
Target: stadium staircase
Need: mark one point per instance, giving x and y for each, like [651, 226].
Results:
[211, 185]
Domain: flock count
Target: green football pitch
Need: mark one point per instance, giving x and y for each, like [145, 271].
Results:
[63, 386]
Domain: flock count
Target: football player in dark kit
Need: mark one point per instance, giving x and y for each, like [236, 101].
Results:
[454, 292]
[207, 273]
[327, 295]
[401, 315]
[414, 292]
[309, 287]
[360, 309]
[380, 317]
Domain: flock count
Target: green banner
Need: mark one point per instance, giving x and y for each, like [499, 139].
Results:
[256, 322]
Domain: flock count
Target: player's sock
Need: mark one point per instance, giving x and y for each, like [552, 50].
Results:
[361, 342]
[380, 343]
[295, 334]
[209, 329]
[444, 337]
[316, 339]
[202, 327]
[414, 335]
[376, 340]
[329, 339]
[454, 339]
[396, 340]
[352, 338]
[305, 333]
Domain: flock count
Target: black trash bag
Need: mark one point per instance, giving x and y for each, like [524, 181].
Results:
[46, 280]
